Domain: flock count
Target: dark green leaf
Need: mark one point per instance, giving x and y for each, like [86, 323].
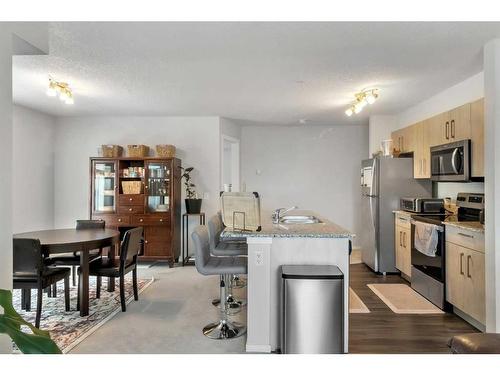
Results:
[37, 342]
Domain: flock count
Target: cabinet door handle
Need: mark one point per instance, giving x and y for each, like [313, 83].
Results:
[119, 220]
[447, 126]
[400, 238]
[161, 220]
[461, 262]
[469, 257]
[425, 167]
[141, 220]
[404, 240]
[130, 209]
[130, 199]
[452, 126]
[465, 235]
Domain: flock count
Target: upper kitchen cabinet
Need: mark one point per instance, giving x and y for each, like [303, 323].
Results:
[451, 126]
[421, 152]
[477, 137]
[403, 140]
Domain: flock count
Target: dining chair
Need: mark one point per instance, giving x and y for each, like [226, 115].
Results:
[103, 267]
[73, 259]
[31, 272]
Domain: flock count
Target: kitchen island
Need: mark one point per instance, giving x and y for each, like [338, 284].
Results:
[275, 245]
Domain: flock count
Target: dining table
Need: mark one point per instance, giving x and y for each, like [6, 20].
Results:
[81, 241]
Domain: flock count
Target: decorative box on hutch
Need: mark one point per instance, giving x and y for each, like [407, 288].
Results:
[154, 205]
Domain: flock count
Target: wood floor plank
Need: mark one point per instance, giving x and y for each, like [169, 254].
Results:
[383, 331]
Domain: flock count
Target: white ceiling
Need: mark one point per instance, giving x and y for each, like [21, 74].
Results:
[266, 72]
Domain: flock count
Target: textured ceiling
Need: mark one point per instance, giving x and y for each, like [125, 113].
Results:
[266, 72]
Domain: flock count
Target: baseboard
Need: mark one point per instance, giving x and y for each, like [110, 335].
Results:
[469, 319]
[258, 348]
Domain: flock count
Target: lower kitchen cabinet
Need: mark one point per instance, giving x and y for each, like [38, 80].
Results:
[402, 246]
[465, 283]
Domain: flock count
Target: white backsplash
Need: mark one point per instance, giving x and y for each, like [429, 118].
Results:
[450, 189]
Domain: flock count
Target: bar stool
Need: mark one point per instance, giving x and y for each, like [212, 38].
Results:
[207, 264]
[225, 248]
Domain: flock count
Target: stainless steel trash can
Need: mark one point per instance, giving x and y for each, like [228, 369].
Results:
[312, 309]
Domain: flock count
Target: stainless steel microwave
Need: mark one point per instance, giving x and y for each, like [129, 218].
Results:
[451, 161]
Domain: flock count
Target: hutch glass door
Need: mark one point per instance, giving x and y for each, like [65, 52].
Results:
[104, 173]
[158, 186]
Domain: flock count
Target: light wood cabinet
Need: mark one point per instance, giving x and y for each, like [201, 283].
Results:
[403, 140]
[402, 246]
[477, 138]
[464, 122]
[460, 127]
[421, 153]
[465, 282]
[451, 126]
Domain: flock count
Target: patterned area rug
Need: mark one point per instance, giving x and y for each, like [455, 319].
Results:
[68, 328]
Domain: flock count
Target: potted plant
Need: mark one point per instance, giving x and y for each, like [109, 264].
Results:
[36, 342]
[193, 203]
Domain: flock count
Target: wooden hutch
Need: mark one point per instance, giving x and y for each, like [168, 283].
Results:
[129, 192]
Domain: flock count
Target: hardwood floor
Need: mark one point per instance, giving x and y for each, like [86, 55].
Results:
[383, 331]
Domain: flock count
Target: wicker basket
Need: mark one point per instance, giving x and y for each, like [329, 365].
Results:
[111, 151]
[165, 151]
[131, 187]
[138, 151]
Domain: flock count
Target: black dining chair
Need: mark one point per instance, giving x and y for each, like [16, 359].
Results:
[73, 259]
[129, 251]
[31, 272]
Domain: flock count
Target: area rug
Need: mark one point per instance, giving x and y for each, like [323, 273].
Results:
[356, 305]
[68, 328]
[402, 299]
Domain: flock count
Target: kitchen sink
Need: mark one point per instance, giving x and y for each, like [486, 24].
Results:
[299, 219]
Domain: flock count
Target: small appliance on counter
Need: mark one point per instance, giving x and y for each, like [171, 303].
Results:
[422, 205]
[428, 267]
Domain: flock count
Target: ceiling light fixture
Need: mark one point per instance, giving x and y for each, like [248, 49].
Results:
[62, 89]
[363, 98]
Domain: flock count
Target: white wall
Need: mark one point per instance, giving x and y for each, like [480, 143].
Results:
[78, 138]
[379, 129]
[33, 174]
[313, 167]
[26, 31]
[492, 182]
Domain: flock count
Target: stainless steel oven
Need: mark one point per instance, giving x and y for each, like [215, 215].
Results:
[451, 161]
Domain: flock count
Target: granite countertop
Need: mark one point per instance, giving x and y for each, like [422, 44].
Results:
[324, 229]
[473, 226]
[403, 213]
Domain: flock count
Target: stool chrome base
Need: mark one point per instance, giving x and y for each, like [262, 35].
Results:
[224, 330]
[237, 283]
[232, 307]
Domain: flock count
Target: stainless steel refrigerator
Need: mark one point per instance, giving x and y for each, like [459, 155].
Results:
[384, 181]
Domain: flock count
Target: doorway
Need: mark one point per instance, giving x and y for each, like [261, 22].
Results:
[230, 162]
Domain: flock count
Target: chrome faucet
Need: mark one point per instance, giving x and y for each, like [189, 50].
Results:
[278, 213]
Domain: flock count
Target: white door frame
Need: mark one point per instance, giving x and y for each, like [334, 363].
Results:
[235, 162]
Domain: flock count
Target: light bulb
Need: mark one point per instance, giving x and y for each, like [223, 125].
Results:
[349, 111]
[70, 100]
[362, 103]
[358, 108]
[63, 96]
[51, 91]
[371, 98]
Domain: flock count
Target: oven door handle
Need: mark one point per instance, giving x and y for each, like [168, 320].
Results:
[453, 158]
